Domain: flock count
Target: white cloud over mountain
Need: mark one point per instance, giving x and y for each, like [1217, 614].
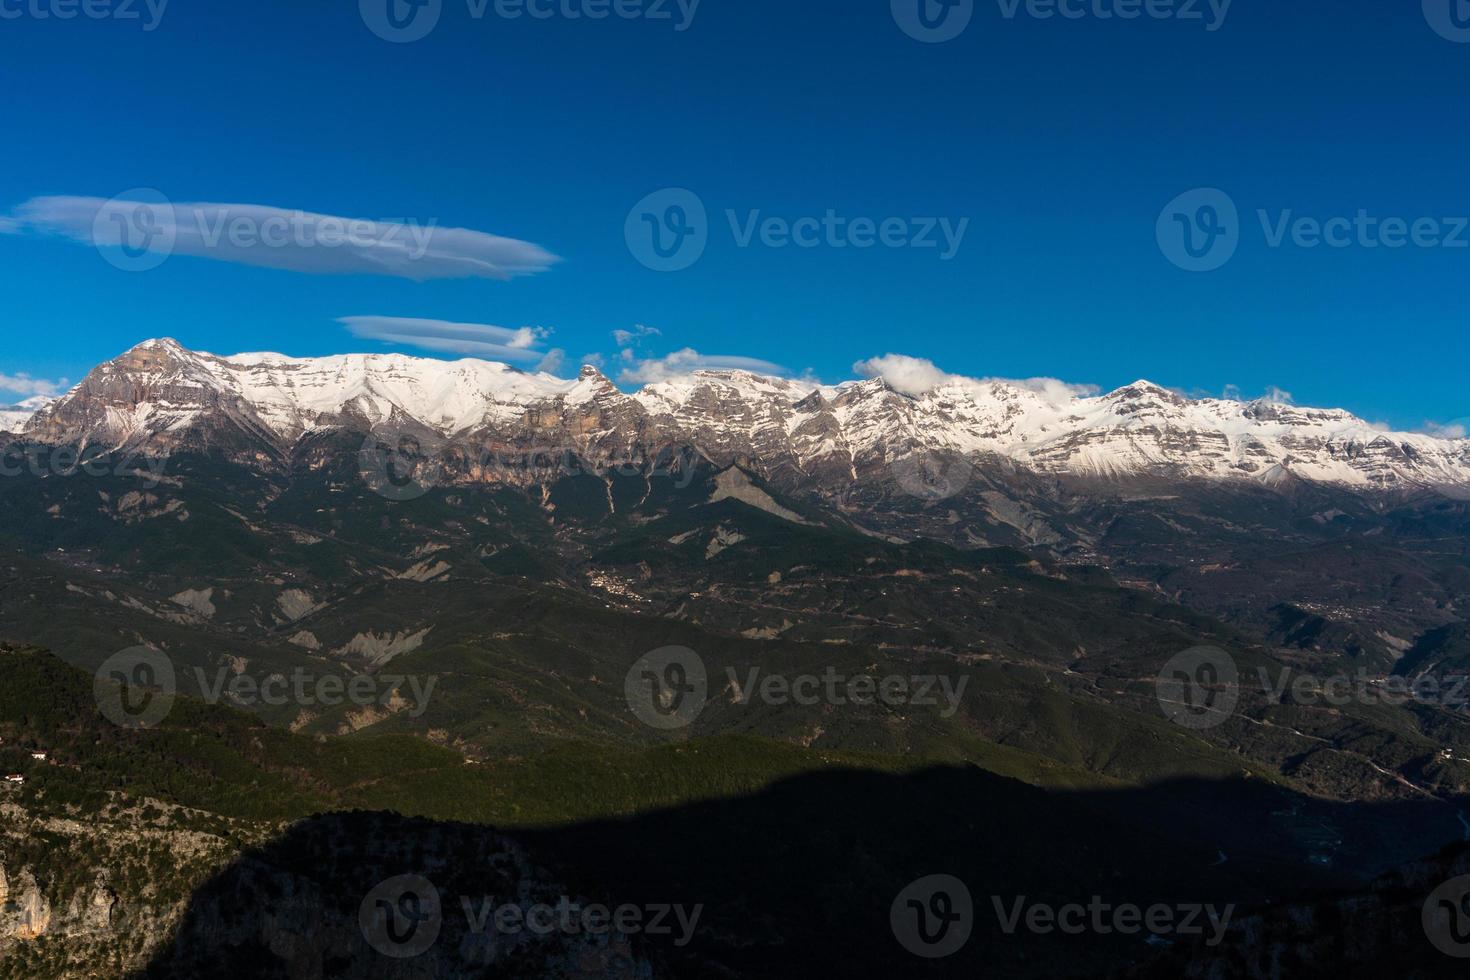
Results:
[681, 364]
[25, 385]
[917, 375]
[480, 340]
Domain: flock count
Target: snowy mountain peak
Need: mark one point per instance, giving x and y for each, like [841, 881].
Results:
[162, 396]
[13, 418]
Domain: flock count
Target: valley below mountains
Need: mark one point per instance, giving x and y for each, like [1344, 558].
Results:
[490, 558]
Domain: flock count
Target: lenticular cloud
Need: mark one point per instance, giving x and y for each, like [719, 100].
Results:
[278, 238]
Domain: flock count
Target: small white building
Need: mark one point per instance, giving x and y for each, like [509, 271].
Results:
[15, 778]
[39, 756]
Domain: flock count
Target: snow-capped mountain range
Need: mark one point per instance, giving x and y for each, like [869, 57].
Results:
[159, 397]
[16, 416]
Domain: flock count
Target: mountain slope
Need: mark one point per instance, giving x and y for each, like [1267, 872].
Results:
[162, 397]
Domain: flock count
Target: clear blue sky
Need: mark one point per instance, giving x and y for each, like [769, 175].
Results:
[1059, 140]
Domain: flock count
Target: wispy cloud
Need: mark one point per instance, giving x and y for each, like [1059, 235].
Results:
[681, 364]
[470, 339]
[279, 238]
[24, 384]
[625, 338]
[1278, 396]
[916, 376]
[1445, 430]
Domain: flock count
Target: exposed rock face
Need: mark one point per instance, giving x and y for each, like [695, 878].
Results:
[375, 650]
[24, 912]
[162, 398]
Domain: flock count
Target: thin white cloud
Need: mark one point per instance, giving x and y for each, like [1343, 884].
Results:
[24, 384]
[916, 376]
[1447, 430]
[640, 331]
[1278, 396]
[470, 339]
[553, 361]
[279, 238]
[681, 364]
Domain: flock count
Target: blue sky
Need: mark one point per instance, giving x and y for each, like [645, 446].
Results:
[1054, 144]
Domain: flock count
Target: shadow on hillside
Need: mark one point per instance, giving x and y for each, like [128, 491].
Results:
[796, 881]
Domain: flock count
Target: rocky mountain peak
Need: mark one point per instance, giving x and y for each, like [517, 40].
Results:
[162, 396]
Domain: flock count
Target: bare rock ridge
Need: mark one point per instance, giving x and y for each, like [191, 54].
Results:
[159, 398]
